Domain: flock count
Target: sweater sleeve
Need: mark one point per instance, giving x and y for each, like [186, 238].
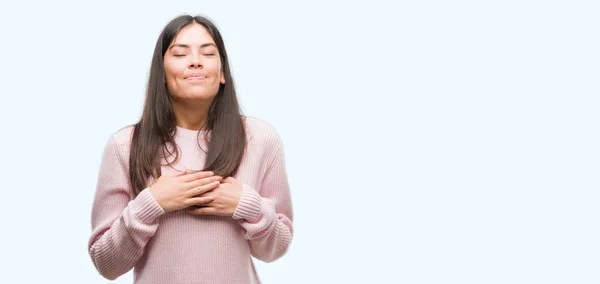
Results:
[121, 226]
[266, 214]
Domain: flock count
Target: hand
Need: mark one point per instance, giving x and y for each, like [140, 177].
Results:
[226, 198]
[178, 190]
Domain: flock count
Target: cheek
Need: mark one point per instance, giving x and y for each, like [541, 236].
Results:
[215, 69]
[173, 70]
[171, 78]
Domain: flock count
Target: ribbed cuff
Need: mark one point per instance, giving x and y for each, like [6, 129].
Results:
[249, 206]
[145, 207]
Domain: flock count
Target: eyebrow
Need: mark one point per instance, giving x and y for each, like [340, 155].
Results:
[187, 46]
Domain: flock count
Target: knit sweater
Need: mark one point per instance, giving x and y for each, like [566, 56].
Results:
[134, 232]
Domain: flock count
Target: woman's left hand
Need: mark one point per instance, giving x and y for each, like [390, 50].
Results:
[226, 199]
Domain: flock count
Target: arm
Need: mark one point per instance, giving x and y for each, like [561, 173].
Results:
[267, 215]
[121, 227]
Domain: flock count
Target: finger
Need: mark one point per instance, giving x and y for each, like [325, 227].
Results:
[197, 175]
[203, 211]
[203, 188]
[201, 182]
[175, 173]
[200, 200]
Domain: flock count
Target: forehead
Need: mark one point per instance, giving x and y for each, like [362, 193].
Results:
[193, 34]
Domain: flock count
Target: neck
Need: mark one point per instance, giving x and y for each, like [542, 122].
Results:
[191, 116]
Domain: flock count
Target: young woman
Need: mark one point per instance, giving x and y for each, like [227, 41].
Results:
[194, 189]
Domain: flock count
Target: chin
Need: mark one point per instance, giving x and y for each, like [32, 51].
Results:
[195, 96]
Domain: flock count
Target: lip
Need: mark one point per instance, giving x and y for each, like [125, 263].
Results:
[196, 77]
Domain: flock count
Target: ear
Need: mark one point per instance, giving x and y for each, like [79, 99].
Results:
[222, 76]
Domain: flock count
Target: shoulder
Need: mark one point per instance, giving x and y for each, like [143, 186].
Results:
[119, 142]
[122, 137]
[260, 132]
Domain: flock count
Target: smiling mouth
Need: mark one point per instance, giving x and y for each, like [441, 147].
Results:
[196, 78]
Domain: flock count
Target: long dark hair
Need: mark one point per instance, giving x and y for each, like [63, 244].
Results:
[154, 133]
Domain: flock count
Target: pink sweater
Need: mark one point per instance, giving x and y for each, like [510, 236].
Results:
[178, 247]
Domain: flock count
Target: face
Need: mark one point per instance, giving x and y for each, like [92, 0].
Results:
[192, 65]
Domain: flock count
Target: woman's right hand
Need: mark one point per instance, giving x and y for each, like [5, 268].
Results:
[178, 190]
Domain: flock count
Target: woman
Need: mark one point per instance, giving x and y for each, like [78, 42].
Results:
[154, 212]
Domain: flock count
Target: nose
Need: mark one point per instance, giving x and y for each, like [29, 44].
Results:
[195, 61]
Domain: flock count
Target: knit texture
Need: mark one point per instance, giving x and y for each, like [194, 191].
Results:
[177, 247]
